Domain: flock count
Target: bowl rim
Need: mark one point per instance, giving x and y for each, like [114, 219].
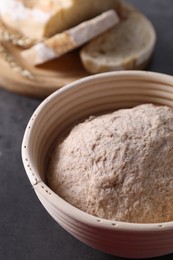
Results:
[43, 190]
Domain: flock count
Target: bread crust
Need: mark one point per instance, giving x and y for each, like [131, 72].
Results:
[62, 43]
[41, 19]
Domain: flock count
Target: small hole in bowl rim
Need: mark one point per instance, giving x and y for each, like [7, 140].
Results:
[115, 224]
[161, 226]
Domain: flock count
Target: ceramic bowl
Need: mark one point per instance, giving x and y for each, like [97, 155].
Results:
[95, 94]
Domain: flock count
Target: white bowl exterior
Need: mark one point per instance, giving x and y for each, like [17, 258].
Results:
[96, 94]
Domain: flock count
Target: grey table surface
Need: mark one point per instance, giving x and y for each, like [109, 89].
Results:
[27, 232]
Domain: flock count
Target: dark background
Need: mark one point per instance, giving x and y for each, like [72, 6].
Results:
[27, 232]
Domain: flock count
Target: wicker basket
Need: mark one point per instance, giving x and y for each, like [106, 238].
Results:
[91, 95]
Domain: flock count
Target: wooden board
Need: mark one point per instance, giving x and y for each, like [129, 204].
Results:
[45, 78]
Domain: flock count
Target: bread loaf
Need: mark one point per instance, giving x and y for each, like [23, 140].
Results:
[44, 18]
[64, 42]
[128, 45]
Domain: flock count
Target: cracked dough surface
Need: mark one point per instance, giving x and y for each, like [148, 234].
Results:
[118, 166]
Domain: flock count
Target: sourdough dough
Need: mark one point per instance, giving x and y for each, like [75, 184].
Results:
[119, 166]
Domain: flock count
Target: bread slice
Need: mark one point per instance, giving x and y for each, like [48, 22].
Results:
[128, 45]
[61, 43]
[44, 18]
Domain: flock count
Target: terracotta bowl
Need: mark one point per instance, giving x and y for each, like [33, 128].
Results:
[91, 95]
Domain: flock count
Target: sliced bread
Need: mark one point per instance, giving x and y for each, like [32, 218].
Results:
[45, 18]
[128, 45]
[64, 42]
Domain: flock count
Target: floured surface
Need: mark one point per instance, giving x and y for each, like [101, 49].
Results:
[119, 166]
